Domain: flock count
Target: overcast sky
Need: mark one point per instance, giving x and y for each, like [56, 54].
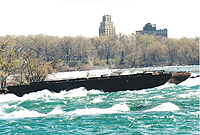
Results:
[83, 17]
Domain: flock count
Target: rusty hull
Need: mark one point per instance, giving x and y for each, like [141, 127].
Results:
[179, 77]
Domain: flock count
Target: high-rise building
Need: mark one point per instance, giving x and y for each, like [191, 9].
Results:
[107, 27]
[150, 29]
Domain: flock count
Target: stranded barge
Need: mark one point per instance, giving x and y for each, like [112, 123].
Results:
[106, 83]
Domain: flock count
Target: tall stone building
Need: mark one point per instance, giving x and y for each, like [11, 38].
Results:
[107, 27]
[150, 29]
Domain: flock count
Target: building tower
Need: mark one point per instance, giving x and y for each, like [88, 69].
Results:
[107, 27]
[150, 29]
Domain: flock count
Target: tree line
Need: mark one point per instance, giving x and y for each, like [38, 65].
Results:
[33, 57]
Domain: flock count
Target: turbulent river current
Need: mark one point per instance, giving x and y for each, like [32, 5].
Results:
[167, 109]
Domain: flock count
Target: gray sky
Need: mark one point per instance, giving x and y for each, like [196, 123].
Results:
[83, 17]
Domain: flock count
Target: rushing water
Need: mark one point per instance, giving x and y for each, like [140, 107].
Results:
[167, 109]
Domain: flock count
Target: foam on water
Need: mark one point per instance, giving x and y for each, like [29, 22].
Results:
[139, 92]
[22, 114]
[8, 97]
[5, 106]
[164, 107]
[2, 109]
[188, 95]
[95, 92]
[61, 95]
[121, 99]
[25, 113]
[56, 111]
[191, 82]
[195, 113]
[79, 92]
[44, 95]
[166, 85]
[88, 111]
[159, 96]
[96, 100]
[36, 95]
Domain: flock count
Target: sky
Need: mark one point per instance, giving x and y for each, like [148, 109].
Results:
[83, 17]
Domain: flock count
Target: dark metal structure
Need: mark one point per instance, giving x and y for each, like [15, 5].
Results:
[106, 83]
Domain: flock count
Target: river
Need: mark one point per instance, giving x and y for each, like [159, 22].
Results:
[167, 109]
